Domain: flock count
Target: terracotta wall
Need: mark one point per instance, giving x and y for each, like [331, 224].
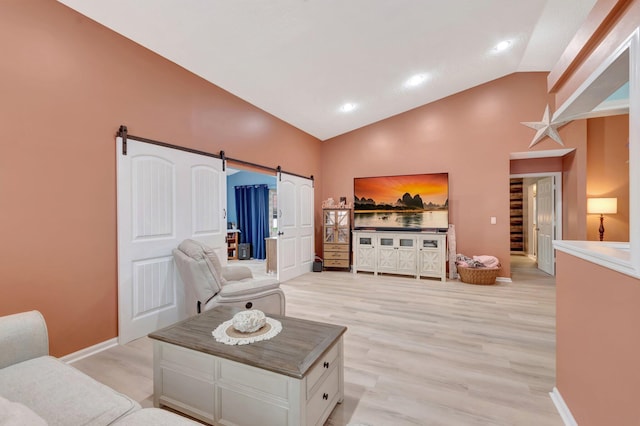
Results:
[468, 135]
[66, 84]
[608, 174]
[596, 308]
[597, 343]
[536, 165]
[574, 181]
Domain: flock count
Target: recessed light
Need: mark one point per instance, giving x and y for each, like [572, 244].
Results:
[348, 107]
[503, 45]
[415, 80]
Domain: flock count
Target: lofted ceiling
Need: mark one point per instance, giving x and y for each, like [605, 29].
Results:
[301, 60]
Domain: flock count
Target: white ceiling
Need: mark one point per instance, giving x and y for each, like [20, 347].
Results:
[300, 60]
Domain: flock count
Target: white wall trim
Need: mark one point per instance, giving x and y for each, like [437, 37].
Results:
[562, 408]
[611, 255]
[91, 350]
[504, 279]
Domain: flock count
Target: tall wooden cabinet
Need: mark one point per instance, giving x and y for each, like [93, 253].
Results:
[336, 245]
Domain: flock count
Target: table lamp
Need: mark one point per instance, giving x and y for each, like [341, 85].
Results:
[602, 206]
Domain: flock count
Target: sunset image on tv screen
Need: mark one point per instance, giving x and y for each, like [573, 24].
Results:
[407, 201]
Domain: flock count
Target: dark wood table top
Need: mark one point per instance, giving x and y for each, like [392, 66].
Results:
[292, 352]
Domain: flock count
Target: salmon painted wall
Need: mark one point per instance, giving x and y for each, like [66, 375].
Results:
[574, 181]
[536, 165]
[468, 135]
[608, 174]
[66, 84]
[596, 308]
[597, 343]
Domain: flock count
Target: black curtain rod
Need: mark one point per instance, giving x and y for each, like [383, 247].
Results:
[122, 132]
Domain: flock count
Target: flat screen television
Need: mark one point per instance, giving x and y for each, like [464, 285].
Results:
[406, 203]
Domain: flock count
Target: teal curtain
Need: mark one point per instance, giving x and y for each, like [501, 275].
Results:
[252, 208]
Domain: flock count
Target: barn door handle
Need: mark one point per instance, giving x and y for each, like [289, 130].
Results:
[224, 215]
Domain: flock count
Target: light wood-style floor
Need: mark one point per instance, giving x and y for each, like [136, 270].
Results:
[416, 352]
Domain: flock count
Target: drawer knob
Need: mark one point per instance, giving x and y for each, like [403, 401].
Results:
[326, 364]
[325, 396]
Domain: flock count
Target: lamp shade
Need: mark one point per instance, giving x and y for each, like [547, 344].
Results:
[602, 205]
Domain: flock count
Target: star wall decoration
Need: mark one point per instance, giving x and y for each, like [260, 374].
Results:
[545, 128]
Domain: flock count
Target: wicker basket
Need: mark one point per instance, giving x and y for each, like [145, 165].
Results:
[485, 276]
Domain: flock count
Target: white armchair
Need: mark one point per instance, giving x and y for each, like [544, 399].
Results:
[208, 283]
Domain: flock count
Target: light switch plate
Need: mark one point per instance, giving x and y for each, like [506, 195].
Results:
[493, 220]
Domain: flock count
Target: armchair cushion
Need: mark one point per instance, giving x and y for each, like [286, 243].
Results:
[196, 275]
[201, 252]
[214, 265]
[236, 273]
[248, 287]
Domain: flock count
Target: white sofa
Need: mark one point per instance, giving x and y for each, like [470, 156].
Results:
[38, 389]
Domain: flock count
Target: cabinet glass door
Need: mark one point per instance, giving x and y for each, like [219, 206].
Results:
[329, 234]
[329, 218]
[342, 218]
[343, 235]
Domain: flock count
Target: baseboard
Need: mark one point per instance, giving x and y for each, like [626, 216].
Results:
[91, 350]
[504, 279]
[562, 408]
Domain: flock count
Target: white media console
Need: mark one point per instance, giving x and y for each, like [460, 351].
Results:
[421, 254]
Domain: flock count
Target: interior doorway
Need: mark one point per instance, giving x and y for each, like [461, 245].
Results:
[246, 178]
[288, 241]
[536, 213]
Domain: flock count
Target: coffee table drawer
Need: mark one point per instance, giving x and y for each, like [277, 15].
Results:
[323, 399]
[178, 358]
[321, 369]
[235, 374]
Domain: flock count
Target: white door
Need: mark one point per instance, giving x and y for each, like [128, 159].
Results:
[164, 196]
[545, 219]
[296, 250]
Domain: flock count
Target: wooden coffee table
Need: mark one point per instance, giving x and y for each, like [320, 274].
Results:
[295, 378]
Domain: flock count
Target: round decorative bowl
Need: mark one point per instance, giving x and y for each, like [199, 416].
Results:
[249, 321]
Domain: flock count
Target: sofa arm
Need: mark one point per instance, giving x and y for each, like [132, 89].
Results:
[23, 336]
[236, 273]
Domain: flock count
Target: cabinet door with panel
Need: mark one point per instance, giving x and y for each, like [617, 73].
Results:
[397, 254]
[365, 252]
[336, 238]
[407, 259]
[432, 256]
[387, 254]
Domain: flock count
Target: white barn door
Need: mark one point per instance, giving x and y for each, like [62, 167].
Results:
[164, 196]
[296, 249]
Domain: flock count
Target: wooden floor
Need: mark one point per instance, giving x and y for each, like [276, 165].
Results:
[416, 352]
